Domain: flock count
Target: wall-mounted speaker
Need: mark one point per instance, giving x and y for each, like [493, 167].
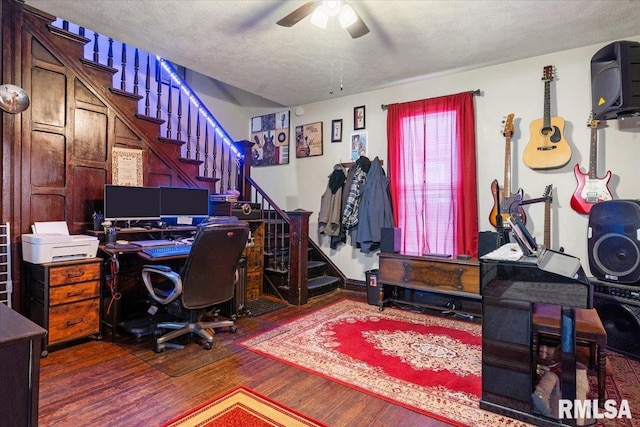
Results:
[622, 324]
[615, 80]
[614, 241]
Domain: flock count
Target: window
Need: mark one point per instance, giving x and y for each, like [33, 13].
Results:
[432, 172]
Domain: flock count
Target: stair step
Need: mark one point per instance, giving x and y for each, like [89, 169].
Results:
[322, 281]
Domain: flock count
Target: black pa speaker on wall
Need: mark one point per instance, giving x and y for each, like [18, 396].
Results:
[615, 80]
[622, 324]
[614, 241]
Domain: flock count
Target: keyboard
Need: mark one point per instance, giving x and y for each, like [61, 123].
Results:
[155, 242]
[167, 251]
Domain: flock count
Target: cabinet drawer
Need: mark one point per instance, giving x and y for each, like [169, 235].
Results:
[64, 275]
[78, 319]
[76, 292]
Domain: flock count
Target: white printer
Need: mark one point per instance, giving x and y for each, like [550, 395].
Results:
[51, 242]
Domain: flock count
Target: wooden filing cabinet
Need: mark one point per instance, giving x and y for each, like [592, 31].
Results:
[64, 298]
[254, 253]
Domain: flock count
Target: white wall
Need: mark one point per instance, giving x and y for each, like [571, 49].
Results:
[514, 87]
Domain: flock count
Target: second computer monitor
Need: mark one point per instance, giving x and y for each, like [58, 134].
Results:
[184, 202]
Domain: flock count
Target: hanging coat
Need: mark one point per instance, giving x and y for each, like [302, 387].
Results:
[330, 215]
[375, 209]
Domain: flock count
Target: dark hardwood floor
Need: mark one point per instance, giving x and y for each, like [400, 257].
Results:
[100, 383]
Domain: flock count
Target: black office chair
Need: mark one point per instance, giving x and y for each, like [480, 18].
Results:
[207, 278]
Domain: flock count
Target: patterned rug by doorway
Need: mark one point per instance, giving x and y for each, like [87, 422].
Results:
[429, 364]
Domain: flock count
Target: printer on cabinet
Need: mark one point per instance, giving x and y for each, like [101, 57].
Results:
[51, 242]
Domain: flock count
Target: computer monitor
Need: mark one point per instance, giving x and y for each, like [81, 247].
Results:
[131, 203]
[184, 202]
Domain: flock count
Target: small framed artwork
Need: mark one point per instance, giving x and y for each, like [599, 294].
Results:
[358, 118]
[358, 145]
[336, 130]
[309, 140]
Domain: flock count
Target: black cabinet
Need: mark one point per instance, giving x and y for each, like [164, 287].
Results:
[20, 342]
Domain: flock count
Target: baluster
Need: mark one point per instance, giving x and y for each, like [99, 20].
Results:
[188, 130]
[110, 54]
[96, 49]
[65, 25]
[123, 75]
[159, 106]
[81, 31]
[179, 130]
[221, 167]
[136, 68]
[147, 89]
[169, 105]
[214, 163]
[198, 138]
[229, 169]
[206, 148]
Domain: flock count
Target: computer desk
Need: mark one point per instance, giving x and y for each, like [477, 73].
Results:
[113, 254]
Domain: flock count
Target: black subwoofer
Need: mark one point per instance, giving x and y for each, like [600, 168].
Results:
[614, 241]
[622, 323]
[615, 80]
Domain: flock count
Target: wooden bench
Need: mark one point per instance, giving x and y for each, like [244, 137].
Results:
[590, 332]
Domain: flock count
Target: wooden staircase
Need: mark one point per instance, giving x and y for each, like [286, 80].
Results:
[125, 104]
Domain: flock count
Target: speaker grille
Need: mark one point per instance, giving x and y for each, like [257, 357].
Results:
[622, 323]
[614, 241]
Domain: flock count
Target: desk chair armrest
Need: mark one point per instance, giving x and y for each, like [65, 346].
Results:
[164, 271]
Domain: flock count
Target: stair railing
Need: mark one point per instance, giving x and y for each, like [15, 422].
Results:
[168, 100]
[286, 242]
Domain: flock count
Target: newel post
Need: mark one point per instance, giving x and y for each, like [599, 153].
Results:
[298, 256]
[244, 169]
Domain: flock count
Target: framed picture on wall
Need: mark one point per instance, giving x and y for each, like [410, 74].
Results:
[358, 145]
[309, 140]
[358, 118]
[336, 130]
[270, 135]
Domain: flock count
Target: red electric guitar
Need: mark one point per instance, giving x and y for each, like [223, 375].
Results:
[505, 203]
[591, 189]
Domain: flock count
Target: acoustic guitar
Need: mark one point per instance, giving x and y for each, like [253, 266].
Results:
[590, 189]
[548, 199]
[547, 147]
[505, 203]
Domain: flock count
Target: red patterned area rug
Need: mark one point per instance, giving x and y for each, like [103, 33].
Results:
[429, 364]
[242, 407]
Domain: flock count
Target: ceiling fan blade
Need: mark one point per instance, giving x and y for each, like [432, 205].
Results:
[298, 15]
[358, 28]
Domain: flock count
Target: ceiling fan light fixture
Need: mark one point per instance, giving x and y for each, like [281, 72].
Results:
[331, 7]
[319, 18]
[347, 16]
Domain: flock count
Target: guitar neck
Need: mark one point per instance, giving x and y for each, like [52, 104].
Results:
[547, 224]
[546, 121]
[507, 167]
[593, 154]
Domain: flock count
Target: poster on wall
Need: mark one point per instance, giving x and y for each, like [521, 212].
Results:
[126, 167]
[309, 140]
[358, 145]
[270, 135]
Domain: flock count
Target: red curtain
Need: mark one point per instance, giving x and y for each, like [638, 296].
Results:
[432, 168]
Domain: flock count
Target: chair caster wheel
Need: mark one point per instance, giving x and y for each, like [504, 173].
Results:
[158, 348]
[232, 329]
[207, 346]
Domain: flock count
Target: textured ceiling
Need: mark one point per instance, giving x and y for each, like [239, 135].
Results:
[239, 44]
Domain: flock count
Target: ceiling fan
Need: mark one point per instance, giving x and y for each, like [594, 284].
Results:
[321, 10]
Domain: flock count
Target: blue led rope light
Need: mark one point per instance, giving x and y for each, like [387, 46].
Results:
[194, 98]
